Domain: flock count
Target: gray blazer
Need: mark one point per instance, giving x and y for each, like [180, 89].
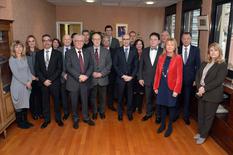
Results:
[104, 67]
[213, 81]
[115, 43]
[31, 59]
[73, 69]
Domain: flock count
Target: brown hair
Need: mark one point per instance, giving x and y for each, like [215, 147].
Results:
[217, 47]
[14, 44]
[174, 42]
[27, 45]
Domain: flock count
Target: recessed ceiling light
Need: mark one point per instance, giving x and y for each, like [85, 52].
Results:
[90, 1]
[150, 2]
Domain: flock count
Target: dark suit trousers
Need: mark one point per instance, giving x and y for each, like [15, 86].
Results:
[122, 88]
[150, 101]
[64, 98]
[111, 89]
[35, 99]
[185, 97]
[74, 95]
[206, 115]
[46, 92]
[99, 91]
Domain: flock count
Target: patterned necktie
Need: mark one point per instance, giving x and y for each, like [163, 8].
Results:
[47, 59]
[81, 63]
[126, 54]
[96, 56]
[185, 55]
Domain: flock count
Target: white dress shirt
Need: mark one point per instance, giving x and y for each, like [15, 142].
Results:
[78, 53]
[153, 54]
[183, 51]
[50, 52]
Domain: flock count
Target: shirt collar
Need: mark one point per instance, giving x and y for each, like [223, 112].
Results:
[188, 47]
[50, 49]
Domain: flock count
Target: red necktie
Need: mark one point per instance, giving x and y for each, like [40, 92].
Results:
[96, 56]
[81, 61]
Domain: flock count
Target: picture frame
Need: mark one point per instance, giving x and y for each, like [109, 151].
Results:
[121, 29]
[203, 23]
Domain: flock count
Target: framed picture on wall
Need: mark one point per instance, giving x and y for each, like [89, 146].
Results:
[203, 23]
[121, 29]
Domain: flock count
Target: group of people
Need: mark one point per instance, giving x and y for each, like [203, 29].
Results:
[96, 70]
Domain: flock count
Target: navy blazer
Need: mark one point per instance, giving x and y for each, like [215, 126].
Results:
[191, 66]
[122, 67]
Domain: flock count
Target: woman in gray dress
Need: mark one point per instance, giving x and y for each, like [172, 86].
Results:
[20, 84]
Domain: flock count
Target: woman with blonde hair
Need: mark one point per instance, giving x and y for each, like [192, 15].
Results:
[168, 83]
[209, 82]
[20, 83]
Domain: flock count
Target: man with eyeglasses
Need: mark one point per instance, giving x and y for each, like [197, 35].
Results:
[49, 68]
[126, 66]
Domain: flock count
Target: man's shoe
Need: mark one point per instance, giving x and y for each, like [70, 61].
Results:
[146, 117]
[111, 107]
[89, 122]
[130, 117]
[94, 116]
[158, 120]
[60, 123]
[75, 125]
[102, 116]
[187, 121]
[176, 118]
[45, 124]
[120, 118]
[65, 117]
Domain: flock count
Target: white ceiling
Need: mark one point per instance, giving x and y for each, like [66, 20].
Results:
[126, 3]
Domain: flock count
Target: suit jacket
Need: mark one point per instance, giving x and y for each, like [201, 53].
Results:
[54, 69]
[115, 43]
[73, 68]
[146, 69]
[104, 67]
[191, 66]
[174, 75]
[61, 49]
[213, 81]
[122, 67]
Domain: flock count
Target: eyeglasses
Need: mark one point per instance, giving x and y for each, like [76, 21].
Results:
[47, 40]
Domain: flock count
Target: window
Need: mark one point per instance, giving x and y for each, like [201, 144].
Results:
[170, 24]
[190, 24]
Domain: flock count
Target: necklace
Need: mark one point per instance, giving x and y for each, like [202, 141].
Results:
[165, 74]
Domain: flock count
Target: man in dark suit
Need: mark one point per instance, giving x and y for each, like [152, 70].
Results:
[126, 66]
[64, 94]
[79, 67]
[49, 68]
[191, 62]
[114, 43]
[102, 67]
[87, 40]
[112, 76]
[147, 68]
[133, 37]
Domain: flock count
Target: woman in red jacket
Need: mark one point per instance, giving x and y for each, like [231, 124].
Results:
[168, 82]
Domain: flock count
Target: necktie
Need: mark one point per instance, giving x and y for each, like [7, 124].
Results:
[185, 55]
[47, 59]
[96, 56]
[81, 61]
[126, 54]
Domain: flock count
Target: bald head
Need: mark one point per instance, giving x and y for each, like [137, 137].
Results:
[126, 40]
[66, 39]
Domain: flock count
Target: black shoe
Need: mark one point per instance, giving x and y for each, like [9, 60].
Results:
[102, 116]
[187, 121]
[89, 122]
[120, 118]
[168, 132]
[28, 123]
[45, 124]
[146, 117]
[60, 123]
[130, 117]
[158, 120]
[35, 117]
[94, 116]
[65, 117]
[139, 111]
[75, 125]
[176, 118]
[161, 128]
[112, 107]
